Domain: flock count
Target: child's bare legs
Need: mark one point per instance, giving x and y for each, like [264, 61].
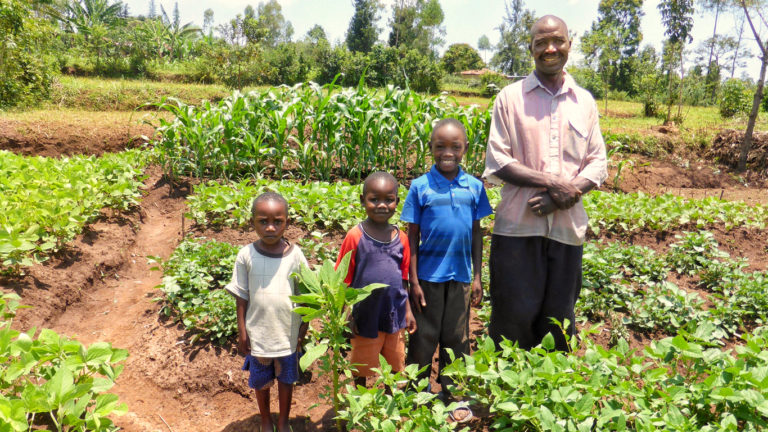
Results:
[262, 399]
[284, 397]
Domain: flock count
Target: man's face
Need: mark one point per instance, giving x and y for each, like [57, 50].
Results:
[550, 46]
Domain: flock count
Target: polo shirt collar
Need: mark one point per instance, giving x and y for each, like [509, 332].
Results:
[460, 179]
[532, 81]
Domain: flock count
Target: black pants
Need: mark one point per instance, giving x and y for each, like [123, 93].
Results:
[444, 322]
[533, 279]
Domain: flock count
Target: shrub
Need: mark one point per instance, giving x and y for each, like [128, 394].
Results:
[284, 65]
[419, 72]
[460, 57]
[330, 62]
[492, 83]
[735, 99]
[26, 67]
[589, 80]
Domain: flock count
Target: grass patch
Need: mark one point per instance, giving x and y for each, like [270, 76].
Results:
[99, 94]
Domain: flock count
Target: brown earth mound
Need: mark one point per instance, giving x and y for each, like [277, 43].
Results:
[53, 138]
[726, 148]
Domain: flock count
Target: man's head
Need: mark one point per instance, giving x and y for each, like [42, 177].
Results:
[550, 46]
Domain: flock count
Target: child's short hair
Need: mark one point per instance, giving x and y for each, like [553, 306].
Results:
[379, 175]
[268, 196]
[445, 122]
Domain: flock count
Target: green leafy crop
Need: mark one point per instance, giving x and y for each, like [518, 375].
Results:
[193, 278]
[45, 203]
[313, 205]
[52, 380]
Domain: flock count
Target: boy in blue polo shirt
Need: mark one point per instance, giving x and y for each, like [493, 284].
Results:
[443, 210]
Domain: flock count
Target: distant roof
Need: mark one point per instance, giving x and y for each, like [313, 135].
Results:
[478, 72]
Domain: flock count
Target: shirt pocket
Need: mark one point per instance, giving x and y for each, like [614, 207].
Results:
[575, 145]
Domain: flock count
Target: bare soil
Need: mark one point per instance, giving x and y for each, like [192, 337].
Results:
[68, 136]
[101, 288]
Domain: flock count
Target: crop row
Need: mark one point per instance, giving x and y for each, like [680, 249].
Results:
[684, 382]
[313, 132]
[45, 202]
[679, 383]
[629, 286]
[336, 205]
[47, 380]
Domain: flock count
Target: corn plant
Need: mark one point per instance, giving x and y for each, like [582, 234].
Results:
[325, 297]
[316, 132]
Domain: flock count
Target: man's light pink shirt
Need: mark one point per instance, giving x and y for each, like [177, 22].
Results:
[557, 134]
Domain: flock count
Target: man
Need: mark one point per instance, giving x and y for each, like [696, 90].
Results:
[545, 144]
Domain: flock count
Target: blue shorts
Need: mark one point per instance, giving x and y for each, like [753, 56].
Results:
[264, 370]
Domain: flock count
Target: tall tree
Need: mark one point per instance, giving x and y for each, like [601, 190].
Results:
[757, 8]
[271, 21]
[713, 76]
[316, 34]
[363, 33]
[417, 24]
[677, 17]
[208, 21]
[512, 54]
[483, 44]
[612, 43]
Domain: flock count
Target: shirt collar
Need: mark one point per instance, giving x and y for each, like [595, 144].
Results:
[531, 82]
[460, 179]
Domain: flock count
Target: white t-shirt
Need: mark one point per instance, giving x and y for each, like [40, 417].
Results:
[264, 281]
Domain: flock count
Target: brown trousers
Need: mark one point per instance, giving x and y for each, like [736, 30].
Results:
[444, 322]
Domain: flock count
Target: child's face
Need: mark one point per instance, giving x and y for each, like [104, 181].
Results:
[448, 147]
[380, 200]
[270, 221]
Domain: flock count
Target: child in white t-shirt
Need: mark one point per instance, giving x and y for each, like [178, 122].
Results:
[268, 330]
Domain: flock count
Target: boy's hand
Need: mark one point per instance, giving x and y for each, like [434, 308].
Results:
[410, 322]
[417, 297]
[243, 344]
[477, 292]
[302, 334]
[352, 325]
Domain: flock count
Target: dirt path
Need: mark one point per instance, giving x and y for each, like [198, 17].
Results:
[158, 383]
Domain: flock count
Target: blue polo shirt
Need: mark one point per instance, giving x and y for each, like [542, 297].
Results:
[445, 211]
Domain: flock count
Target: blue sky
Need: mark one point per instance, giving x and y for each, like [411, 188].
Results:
[465, 20]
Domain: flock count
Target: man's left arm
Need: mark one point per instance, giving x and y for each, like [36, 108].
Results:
[595, 166]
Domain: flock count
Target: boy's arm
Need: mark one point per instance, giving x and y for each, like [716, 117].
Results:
[243, 344]
[416, 295]
[477, 263]
[410, 321]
